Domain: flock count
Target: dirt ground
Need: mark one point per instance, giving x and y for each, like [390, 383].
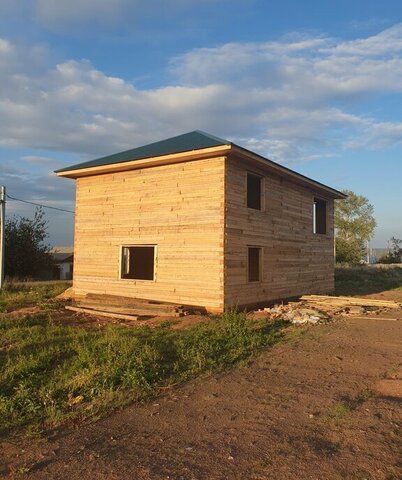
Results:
[323, 405]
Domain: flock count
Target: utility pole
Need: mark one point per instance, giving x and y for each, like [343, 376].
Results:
[2, 228]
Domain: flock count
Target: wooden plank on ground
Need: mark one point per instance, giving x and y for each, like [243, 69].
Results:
[129, 302]
[144, 310]
[101, 313]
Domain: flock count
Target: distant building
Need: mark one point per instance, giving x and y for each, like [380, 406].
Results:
[377, 253]
[63, 258]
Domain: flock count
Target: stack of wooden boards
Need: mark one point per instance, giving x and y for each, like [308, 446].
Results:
[126, 308]
[349, 305]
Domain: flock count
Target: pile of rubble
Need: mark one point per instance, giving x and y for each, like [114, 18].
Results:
[322, 308]
[297, 313]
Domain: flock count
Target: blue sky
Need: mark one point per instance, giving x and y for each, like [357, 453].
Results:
[315, 85]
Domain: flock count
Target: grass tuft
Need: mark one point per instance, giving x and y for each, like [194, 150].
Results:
[349, 404]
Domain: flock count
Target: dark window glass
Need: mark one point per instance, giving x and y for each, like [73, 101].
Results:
[320, 216]
[254, 264]
[138, 263]
[254, 191]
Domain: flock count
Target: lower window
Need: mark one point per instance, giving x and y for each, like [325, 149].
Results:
[254, 264]
[138, 262]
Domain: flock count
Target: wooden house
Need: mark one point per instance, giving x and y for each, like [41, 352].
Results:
[198, 220]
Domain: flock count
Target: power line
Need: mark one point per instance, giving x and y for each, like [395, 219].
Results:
[38, 204]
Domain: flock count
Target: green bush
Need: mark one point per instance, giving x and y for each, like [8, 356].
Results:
[350, 251]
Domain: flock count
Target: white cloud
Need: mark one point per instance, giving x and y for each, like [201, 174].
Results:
[386, 42]
[292, 100]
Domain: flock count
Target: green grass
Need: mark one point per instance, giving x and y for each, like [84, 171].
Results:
[364, 280]
[51, 372]
[17, 295]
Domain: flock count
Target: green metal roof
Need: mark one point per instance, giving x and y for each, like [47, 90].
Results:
[182, 143]
[185, 143]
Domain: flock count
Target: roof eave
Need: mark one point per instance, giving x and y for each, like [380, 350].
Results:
[146, 162]
[287, 172]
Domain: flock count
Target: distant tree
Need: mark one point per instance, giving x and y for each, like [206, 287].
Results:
[26, 254]
[395, 252]
[354, 226]
[349, 251]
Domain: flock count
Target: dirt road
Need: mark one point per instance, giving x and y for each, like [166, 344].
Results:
[323, 405]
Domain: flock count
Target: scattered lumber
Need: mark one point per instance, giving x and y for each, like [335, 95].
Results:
[101, 313]
[124, 310]
[116, 305]
[128, 301]
[349, 301]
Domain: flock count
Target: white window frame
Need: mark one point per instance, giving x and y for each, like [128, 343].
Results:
[314, 215]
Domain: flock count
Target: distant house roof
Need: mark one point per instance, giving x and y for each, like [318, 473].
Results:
[62, 249]
[62, 257]
[62, 253]
[188, 142]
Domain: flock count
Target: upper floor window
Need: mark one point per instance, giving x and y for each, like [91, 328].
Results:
[319, 216]
[254, 191]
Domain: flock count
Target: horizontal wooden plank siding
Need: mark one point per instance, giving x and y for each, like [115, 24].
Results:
[294, 260]
[179, 208]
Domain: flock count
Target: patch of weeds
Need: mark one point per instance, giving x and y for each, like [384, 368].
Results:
[348, 404]
[392, 372]
[339, 410]
[51, 372]
[53, 305]
[34, 431]
[294, 334]
[16, 473]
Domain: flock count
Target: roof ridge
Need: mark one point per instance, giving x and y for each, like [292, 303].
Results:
[213, 137]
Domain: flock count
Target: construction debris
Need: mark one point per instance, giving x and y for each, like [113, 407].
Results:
[297, 313]
[322, 308]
